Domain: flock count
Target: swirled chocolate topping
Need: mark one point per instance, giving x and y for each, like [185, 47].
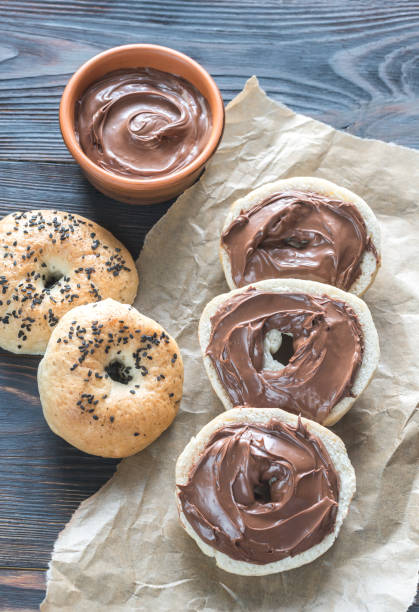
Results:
[327, 345]
[260, 493]
[298, 234]
[142, 123]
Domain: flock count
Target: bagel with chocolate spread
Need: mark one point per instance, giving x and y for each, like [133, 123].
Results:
[301, 227]
[52, 261]
[299, 345]
[111, 379]
[263, 491]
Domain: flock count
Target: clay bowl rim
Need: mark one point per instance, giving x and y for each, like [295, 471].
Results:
[68, 102]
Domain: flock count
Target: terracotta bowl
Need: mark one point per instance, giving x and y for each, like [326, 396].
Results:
[132, 190]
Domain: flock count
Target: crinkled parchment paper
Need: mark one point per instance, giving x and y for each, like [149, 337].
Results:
[124, 549]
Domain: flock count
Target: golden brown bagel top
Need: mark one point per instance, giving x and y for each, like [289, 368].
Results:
[52, 261]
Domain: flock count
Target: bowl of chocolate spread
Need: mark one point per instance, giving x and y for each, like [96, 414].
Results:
[141, 121]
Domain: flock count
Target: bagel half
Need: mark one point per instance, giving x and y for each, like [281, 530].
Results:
[369, 264]
[337, 453]
[371, 345]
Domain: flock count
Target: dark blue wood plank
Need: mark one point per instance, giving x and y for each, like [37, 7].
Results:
[42, 477]
[21, 590]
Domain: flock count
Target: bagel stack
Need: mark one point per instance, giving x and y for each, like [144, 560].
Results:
[288, 350]
[110, 381]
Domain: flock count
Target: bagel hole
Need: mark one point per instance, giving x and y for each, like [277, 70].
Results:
[51, 278]
[296, 243]
[278, 349]
[118, 372]
[262, 492]
[285, 351]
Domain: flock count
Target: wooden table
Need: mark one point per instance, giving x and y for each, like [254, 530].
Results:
[353, 64]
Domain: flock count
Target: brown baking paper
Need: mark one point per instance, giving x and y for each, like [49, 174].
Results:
[124, 548]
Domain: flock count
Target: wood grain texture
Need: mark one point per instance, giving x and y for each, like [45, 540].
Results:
[21, 590]
[353, 64]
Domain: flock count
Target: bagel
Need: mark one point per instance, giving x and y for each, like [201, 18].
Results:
[111, 379]
[52, 261]
[333, 338]
[228, 501]
[301, 227]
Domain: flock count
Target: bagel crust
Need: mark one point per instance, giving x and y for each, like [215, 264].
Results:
[369, 358]
[111, 379]
[335, 448]
[53, 261]
[370, 259]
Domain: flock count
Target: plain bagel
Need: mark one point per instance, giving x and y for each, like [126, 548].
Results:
[111, 379]
[278, 233]
[52, 261]
[252, 478]
[255, 337]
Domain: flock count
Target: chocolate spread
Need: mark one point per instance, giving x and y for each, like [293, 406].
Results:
[142, 123]
[298, 234]
[327, 342]
[260, 493]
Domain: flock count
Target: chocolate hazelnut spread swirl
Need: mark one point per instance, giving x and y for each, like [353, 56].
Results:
[142, 123]
[327, 345]
[260, 493]
[298, 234]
